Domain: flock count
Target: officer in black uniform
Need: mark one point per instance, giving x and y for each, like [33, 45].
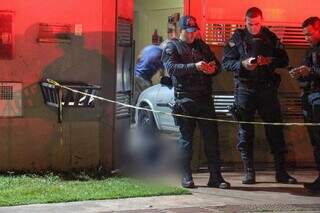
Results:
[191, 65]
[309, 77]
[253, 54]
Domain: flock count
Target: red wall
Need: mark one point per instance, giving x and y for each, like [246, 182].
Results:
[284, 12]
[27, 16]
[85, 138]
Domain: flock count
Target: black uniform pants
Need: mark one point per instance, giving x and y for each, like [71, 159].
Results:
[209, 131]
[265, 101]
[311, 111]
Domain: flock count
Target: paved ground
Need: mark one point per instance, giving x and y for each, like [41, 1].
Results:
[266, 196]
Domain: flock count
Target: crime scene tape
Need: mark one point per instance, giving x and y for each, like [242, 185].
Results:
[55, 83]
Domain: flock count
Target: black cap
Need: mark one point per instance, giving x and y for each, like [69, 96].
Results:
[188, 23]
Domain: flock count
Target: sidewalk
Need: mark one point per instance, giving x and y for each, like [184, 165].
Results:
[265, 196]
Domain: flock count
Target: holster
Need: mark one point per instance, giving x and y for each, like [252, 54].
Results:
[234, 111]
[176, 109]
[184, 106]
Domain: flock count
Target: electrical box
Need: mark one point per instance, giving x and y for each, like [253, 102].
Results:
[10, 99]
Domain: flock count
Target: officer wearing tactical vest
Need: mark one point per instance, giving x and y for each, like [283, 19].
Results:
[191, 65]
[309, 77]
[253, 54]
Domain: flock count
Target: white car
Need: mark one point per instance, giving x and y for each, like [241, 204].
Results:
[160, 97]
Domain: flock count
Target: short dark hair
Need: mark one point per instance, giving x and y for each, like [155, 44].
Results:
[253, 12]
[313, 21]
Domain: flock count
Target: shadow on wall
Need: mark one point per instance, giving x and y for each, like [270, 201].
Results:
[37, 141]
[72, 62]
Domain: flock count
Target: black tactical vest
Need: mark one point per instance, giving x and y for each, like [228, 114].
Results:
[312, 82]
[253, 46]
[196, 83]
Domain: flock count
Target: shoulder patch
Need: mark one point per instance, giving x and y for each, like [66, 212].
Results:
[231, 44]
[281, 46]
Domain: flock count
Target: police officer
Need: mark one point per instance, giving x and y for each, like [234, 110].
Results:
[309, 77]
[253, 54]
[191, 65]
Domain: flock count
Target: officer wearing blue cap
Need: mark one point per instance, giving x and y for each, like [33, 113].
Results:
[189, 24]
[191, 65]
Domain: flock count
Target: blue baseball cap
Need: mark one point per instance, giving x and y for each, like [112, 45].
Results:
[188, 23]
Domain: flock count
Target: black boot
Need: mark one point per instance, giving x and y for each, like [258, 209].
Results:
[313, 187]
[186, 179]
[249, 176]
[281, 174]
[216, 180]
[249, 171]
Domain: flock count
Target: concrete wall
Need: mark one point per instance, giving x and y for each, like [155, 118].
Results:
[36, 141]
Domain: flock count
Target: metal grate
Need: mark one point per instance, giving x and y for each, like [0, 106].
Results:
[6, 92]
[10, 99]
[220, 33]
[122, 111]
[290, 36]
[124, 32]
[290, 104]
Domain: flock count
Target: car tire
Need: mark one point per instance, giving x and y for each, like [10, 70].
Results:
[146, 121]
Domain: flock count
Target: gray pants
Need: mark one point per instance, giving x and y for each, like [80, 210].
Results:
[140, 84]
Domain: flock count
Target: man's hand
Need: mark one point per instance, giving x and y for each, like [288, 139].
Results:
[207, 68]
[261, 60]
[301, 71]
[248, 64]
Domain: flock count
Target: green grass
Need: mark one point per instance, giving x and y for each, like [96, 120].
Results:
[26, 189]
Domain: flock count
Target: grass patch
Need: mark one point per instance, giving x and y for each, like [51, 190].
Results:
[34, 189]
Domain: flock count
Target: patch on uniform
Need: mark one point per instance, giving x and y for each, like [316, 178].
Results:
[281, 46]
[231, 44]
[315, 58]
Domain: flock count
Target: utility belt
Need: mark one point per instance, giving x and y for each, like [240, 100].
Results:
[270, 82]
[193, 95]
[183, 106]
[186, 103]
[259, 84]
